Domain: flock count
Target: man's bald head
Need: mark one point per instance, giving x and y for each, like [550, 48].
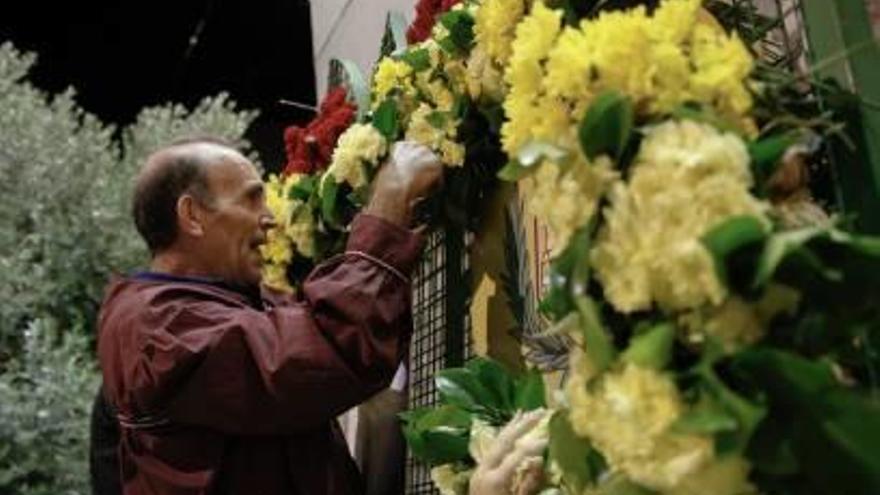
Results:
[169, 173]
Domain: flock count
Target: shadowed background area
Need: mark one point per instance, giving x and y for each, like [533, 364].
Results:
[122, 56]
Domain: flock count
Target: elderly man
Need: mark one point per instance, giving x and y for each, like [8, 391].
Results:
[223, 388]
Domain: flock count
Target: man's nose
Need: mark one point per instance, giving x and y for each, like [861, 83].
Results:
[267, 221]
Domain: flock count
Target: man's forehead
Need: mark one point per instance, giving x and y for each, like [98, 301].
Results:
[232, 169]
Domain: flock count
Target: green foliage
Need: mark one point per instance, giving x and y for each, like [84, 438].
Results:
[461, 31]
[418, 59]
[831, 432]
[579, 462]
[65, 229]
[45, 396]
[394, 37]
[607, 126]
[482, 389]
[386, 119]
[652, 348]
[65, 223]
[437, 436]
[569, 275]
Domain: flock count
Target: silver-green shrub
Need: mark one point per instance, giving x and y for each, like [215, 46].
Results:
[65, 185]
[65, 228]
[46, 393]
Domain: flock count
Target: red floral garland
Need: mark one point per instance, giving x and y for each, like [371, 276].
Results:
[427, 12]
[309, 149]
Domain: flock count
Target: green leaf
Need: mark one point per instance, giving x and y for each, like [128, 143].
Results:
[530, 392]
[394, 39]
[569, 275]
[784, 244]
[460, 25]
[598, 346]
[607, 125]
[329, 194]
[419, 59]
[514, 171]
[437, 436]
[729, 237]
[705, 422]
[437, 119]
[387, 120]
[579, 462]
[346, 72]
[834, 430]
[304, 189]
[748, 414]
[496, 380]
[766, 152]
[651, 349]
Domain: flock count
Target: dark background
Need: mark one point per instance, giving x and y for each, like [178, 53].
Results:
[123, 55]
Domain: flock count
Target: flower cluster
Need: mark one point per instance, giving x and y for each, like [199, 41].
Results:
[309, 148]
[294, 234]
[358, 149]
[628, 416]
[677, 56]
[566, 197]
[687, 178]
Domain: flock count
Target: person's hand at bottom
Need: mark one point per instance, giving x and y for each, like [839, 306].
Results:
[513, 453]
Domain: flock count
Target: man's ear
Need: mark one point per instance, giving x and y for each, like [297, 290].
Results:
[190, 216]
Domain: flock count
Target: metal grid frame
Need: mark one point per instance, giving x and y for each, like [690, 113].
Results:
[441, 336]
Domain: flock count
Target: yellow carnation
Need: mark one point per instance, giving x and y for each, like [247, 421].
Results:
[277, 249]
[722, 63]
[442, 139]
[688, 178]
[535, 36]
[566, 198]
[674, 19]
[627, 416]
[484, 79]
[679, 55]
[737, 322]
[275, 276]
[360, 146]
[391, 74]
[294, 232]
[495, 25]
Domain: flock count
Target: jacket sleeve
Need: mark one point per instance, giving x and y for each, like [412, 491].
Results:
[296, 366]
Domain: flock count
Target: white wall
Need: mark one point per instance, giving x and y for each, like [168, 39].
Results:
[350, 29]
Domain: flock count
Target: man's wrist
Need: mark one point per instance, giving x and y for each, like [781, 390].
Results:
[391, 204]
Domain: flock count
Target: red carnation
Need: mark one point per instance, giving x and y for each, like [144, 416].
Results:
[427, 12]
[310, 149]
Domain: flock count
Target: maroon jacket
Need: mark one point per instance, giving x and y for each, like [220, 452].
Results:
[219, 392]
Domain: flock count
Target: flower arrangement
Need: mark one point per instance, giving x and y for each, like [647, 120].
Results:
[723, 340]
[428, 92]
[713, 335]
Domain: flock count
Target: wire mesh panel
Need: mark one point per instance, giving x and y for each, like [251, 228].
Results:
[441, 330]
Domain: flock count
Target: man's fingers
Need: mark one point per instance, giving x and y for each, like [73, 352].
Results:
[506, 440]
[520, 425]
